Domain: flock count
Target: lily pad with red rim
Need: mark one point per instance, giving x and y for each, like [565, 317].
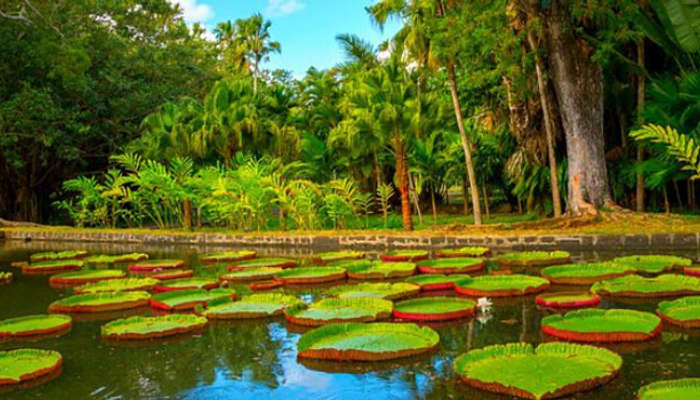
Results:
[434, 308]
[58, 255]
[168, 274]
[263, 262]
[259, 305]
[52, 267]
[86, 276]
[585, 274]
[335, 256]
[501, 285]
[188, 299]
[668, 285]
[380, 290]
[534, 258]
[602, 326]
[117, 285]
[677, 389]
[228, 256]
[430, 282]
[367, 342]
[653, 264]
[381, 270]
[338, 310]
[473, 251]
[251, 274]
[100, 302]
[547, 371]
[23, 365]
[155, 265]
[567, 300]
[405, 255]
[693, 270]
[310, 275]
[683, 312]
[187, 284]
[141, 328]
[5, 277]
[34, 325]
[115, 259]
[454, 265]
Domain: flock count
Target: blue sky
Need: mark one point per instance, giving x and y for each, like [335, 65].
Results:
[306, 29]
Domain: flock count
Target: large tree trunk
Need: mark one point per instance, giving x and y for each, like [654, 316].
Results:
[465, 199]
[641, 93]
[402, 173]
[432, 202]
[579, 87]
[548, 125]
[465, 144]
[187, 214]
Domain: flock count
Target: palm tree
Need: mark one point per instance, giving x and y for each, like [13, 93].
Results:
[256, 41]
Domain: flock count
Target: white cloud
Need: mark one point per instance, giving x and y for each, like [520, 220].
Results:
[279, 8]
[192, 11]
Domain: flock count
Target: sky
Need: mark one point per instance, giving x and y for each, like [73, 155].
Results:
[306, 29]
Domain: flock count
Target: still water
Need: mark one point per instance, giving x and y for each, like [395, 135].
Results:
[257, 359]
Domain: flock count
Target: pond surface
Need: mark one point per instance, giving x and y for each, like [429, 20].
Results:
[257, 359]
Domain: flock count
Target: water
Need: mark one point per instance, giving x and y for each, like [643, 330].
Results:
[257, 359]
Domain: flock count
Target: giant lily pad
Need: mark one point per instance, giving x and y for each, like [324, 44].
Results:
[168, 274]
[379, 290]
[335, 310]
[429, 282]
[600, 326]
[155, 265]
[188, 299]
[474, 251]
[99, 302]
[22, 365]
[263, 262]
[501, 285]
[139, 328]
[118, 285]
[60, 255]
[309, 275]
[335, 256]
[534, 258]
[653, 264]
[5, 277]
[116, 259]
[567, 300]
[251, 274]
[228, 256]
[461, 265]
[405, 255]
[367, 342]
[52, 267]
[548, 371]
[684, 312]
[678, 389]
[187, 284]
[83, 277]
[434, 308]
[34, 325]
[693, 270]
[258, 305]
[668, 285]
[585, 274]
[381, 270]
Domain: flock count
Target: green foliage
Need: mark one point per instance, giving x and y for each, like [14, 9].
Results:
[681, 147]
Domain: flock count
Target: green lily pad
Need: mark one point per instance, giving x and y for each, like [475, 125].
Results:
[228, 256]
[405, 255]
[550, 370]
[32, 325]
[310, 275]
[188, 299]
[336, 310]
[501, 285]
[117, 285]
[155, 265]
[187, 284]
[99, 302]
[263, 262]
[678, 389]
[167, 274]
[473, 251]
[379, 290]
[454, 265]
[567, 300]
[381, 270]
[654, 264]
[334, 256]
[116, 259]
[251, 274]
[5, 277]
[436, 281]
[50, 267]
[258, 305]
[659, 286]
[139, 328]
[585, 274]
[20, 365]
[434, 308]
[60, 255]
[83, 277]
[595, 325]
[683, 312]
[367, 342]
[534, 258]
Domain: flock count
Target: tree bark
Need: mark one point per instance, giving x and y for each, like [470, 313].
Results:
[465, 198]
[486, 202]
[465, 144]
[402, 172]
[412, 190]
[641, 95]
[187, 214]
[548, 125]
[432, 201]
[579, 87]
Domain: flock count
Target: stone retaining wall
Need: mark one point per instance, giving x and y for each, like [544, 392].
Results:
[373, 242]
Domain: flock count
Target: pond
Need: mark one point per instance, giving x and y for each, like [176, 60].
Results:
[258, 360]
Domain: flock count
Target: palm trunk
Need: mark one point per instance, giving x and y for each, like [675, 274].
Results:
[465, 198]
[486, 202]
[641, 93]
[579, 87]
[548, 126]
[432, 202]
[465, 144]
[187, 214]
[402, 172]
[412, 188]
